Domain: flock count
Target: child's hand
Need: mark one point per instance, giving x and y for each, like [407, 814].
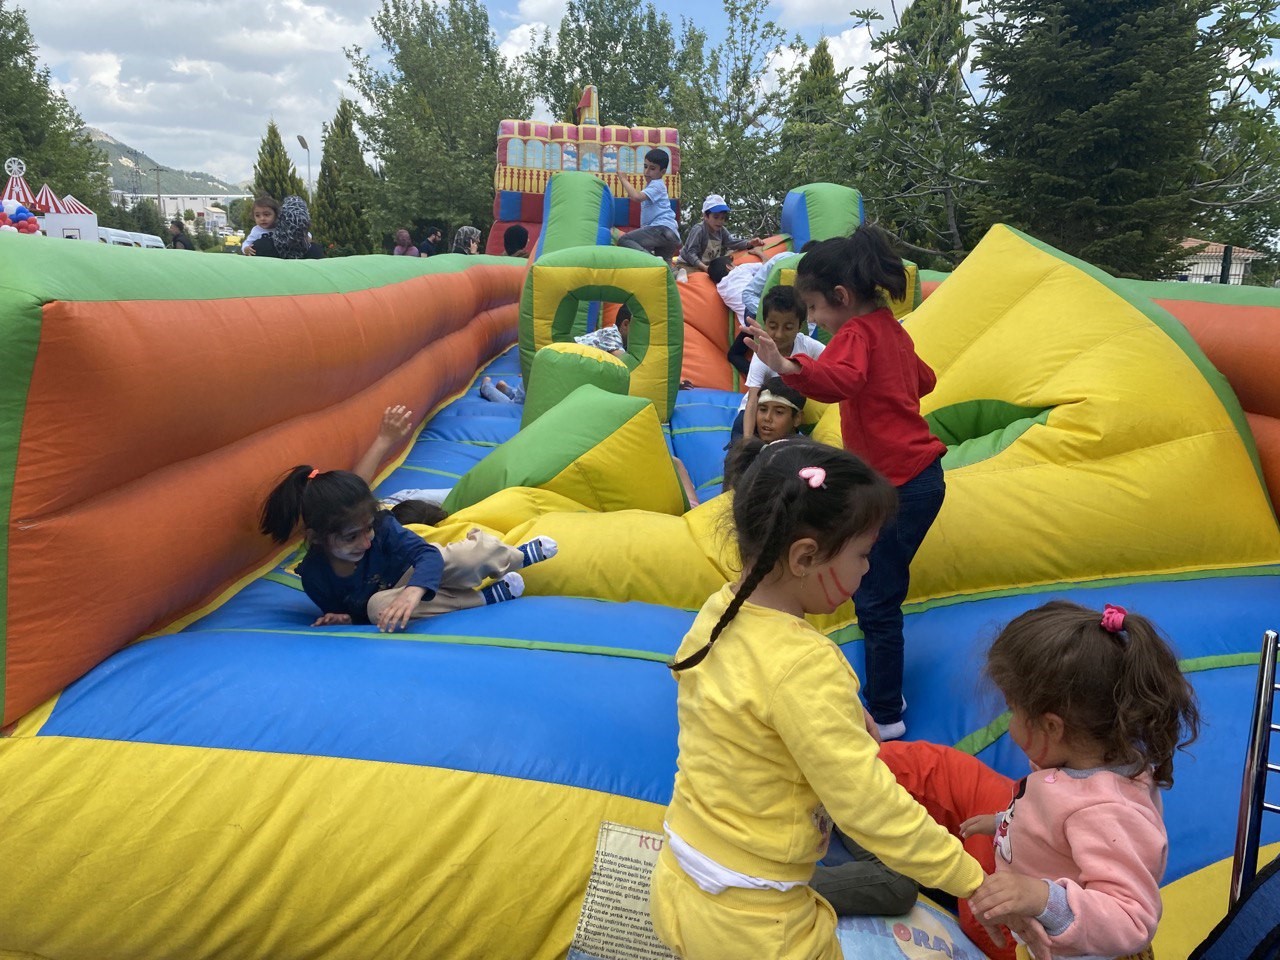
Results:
[767, 351]
[1008, 894]
[396, 423]
[395, 615]
[329, 619]
[249, 251]
[756, 242]
[982, 824]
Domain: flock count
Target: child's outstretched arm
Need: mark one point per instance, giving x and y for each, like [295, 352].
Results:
[749, 416]
[396, 423]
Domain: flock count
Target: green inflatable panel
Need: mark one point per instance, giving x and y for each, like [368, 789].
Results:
[560, 368]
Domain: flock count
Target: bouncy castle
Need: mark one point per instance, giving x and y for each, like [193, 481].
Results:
[191, 769]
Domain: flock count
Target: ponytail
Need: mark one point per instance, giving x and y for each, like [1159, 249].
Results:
[1110, 676]
[864, 263]
[1155, 706]
[283, 507]
[324, 502]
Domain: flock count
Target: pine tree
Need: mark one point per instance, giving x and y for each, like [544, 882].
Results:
[40, 126]
[274, 173]
[817, 117]
[342, 191]
[1094, 140]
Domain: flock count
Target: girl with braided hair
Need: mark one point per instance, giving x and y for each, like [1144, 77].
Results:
[773, 743]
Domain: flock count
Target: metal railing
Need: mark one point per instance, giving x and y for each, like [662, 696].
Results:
[1253, 792]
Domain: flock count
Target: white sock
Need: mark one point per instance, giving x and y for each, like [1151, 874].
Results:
[538, 549]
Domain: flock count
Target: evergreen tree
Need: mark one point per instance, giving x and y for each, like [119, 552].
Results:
[816, 123]
[343, 189]
[627, 51]
[146, 217]
[431, 116]
[730, 122]
[914, 148]
[1094, 140]
[274, 173]
[40, 126]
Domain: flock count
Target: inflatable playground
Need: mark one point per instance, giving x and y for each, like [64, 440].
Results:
[191, 770]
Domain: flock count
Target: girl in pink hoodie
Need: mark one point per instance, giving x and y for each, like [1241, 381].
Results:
[1099, 706]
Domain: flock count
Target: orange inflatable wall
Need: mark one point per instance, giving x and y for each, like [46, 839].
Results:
[165, 395]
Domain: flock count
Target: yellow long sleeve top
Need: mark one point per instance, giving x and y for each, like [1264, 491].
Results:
[771, 733]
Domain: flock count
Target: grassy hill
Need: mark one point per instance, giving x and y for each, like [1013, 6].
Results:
[131, 170]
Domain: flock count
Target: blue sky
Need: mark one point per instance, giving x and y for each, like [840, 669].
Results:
[194, 82]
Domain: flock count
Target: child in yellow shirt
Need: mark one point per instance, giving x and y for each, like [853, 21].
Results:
[774, 744]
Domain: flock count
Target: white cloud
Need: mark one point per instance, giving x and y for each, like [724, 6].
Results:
[851, 48]
[193, 83]
[521, 38]
[829, 15]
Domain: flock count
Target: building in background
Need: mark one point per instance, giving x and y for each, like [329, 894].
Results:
[1206, 265]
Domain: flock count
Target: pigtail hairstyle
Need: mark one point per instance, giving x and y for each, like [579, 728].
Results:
[1117, 684]
[773, 506]
[324, 502]
[864, 263]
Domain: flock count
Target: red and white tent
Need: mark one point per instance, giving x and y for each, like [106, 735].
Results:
[47, 202]
[71, 205]
[17, 189]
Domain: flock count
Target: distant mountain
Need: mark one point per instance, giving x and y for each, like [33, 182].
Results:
[132, 170]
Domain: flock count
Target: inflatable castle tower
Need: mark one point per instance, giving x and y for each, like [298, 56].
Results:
[531, 151]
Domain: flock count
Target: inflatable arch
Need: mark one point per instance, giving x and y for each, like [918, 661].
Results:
[559, 282]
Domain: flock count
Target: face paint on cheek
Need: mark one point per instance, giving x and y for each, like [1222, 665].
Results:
[826, 590]
[835, 578]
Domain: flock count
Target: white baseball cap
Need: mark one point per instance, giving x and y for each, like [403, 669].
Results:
[714, 204]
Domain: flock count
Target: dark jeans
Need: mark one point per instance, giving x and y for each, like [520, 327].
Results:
[878, 601]
[660, 241]
[740, 354]
[863, 886]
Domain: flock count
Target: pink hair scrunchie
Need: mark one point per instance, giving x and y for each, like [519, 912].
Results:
[1113, 618]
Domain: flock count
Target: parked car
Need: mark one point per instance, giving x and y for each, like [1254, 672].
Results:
[149, 240]
[116, 237]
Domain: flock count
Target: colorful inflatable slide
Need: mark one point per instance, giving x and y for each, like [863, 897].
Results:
[191, 770]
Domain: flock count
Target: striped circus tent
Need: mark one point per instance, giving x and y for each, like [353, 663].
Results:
[47, 202]
[18, 189]
[71, 205]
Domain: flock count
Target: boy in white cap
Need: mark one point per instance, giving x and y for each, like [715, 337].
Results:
[709, 239]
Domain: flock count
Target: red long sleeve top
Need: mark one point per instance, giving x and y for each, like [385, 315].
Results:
[871, 369]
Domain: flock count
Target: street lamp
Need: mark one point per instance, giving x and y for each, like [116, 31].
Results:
[303, 141]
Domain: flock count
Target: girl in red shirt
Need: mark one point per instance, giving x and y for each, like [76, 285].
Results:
[871, 369]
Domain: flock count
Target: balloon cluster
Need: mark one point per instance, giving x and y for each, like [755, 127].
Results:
[16, 218]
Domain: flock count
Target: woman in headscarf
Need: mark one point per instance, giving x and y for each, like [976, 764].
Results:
[466, 240]
[290, 238]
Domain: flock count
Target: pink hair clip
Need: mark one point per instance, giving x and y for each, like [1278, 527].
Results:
[1113, 618]
[814, 476]
[313, 474]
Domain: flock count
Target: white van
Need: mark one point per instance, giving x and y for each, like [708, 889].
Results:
[116, 237]
[149, 240]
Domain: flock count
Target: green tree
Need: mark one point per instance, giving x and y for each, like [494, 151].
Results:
[627, 51]
[431, 116]
[204, 239]
[40, 126]
[815, 128]
[914, 149]
[240, 214]
[730, 121]
[1093, 142]
[343, 190]
[146, 217]
[274, 173]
